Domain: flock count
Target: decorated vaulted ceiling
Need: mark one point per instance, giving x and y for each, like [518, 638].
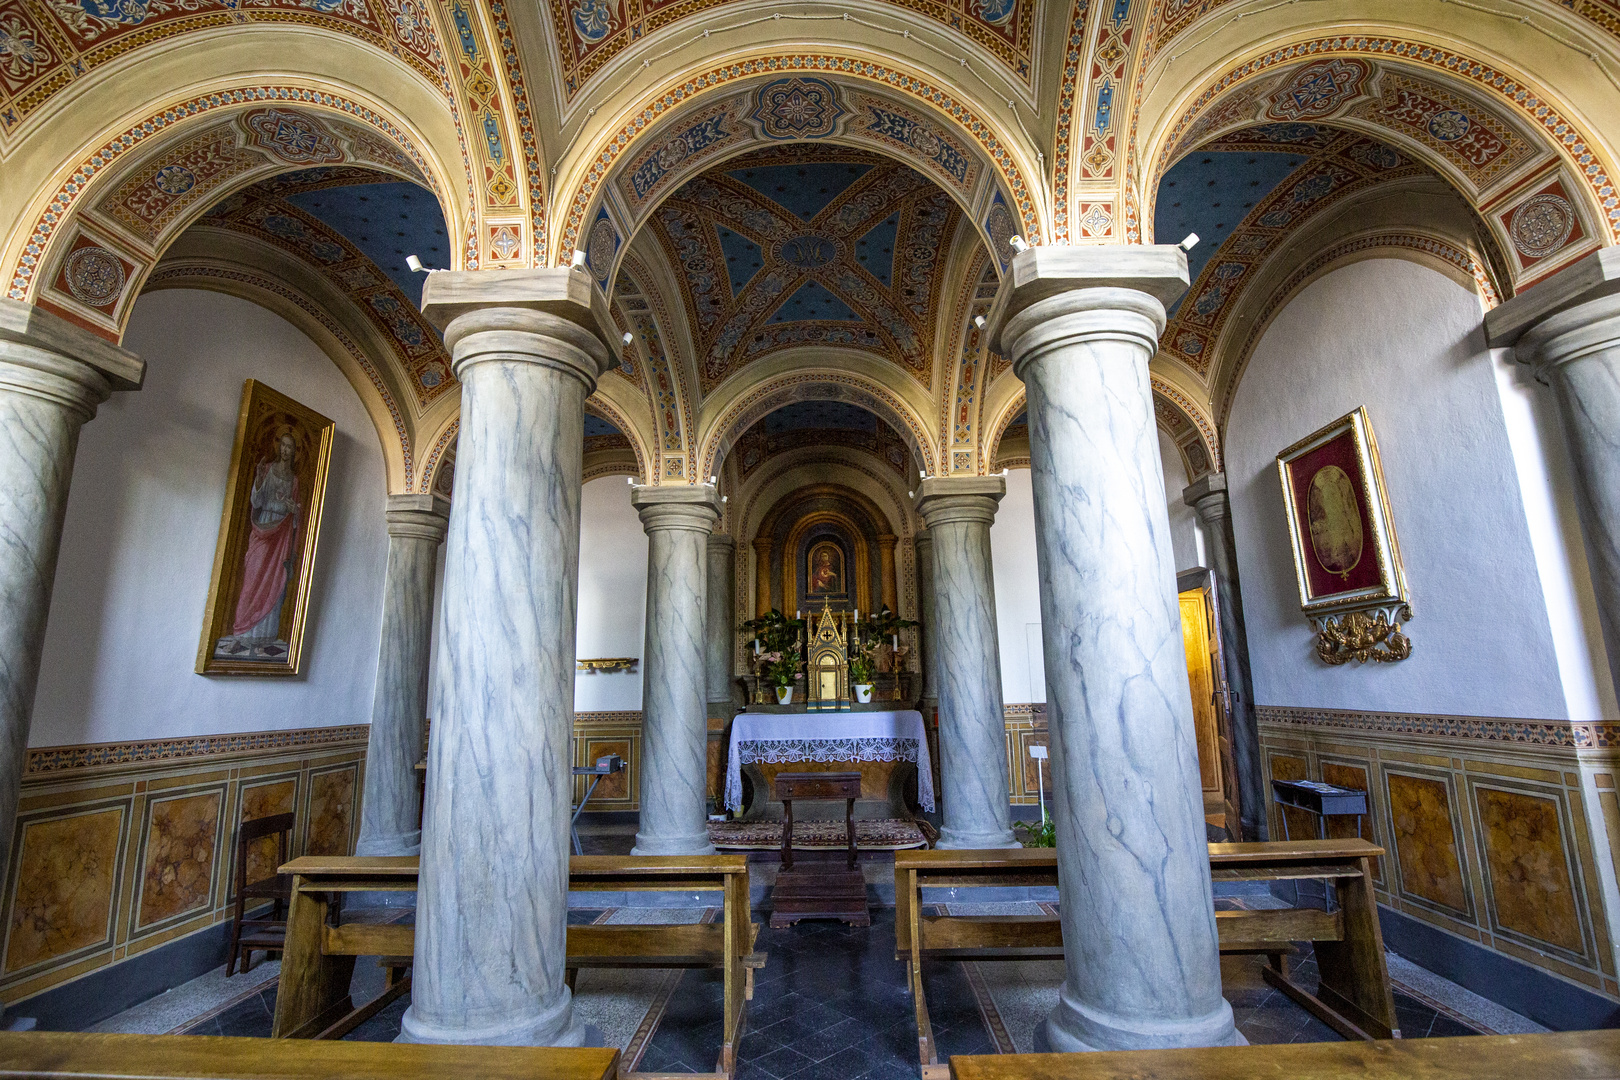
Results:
[820, 424]
[809, 246]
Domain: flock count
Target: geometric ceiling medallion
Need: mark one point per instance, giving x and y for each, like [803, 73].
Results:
[1541, 225]
[294, 137]
[1317, 90]
[94, 276]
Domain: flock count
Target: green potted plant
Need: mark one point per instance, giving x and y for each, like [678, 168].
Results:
[778, 651]
[886, 624]
[861, 667]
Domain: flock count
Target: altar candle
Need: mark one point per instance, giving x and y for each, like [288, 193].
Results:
[795, 613]
[896, 640]
[756, 646]
[857, 614]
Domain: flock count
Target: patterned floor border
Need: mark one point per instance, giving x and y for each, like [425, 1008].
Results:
[637, 1047]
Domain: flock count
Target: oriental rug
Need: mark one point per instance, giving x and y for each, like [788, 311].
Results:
[882, 834]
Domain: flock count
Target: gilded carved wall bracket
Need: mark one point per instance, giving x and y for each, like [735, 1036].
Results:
[1362, 635]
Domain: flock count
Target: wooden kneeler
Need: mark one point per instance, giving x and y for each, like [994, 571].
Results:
[1354, 998]
[313, 1000]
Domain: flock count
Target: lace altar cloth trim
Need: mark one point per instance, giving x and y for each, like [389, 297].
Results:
[882, 834]
[782, 751]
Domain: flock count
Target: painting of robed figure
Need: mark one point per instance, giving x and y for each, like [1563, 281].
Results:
[263, 562]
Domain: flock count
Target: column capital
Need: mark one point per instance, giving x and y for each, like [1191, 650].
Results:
[553, 316]
[423, 517]
[1056, 295]
[943, 499]
[762, 544]
[1567, 316]
[45, 355]
[1207, 495]
[678, 506]
[722, 540]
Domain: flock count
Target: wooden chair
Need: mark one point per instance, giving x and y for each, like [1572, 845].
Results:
[267, 934]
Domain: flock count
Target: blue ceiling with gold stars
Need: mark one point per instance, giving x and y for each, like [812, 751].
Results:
[808, 245]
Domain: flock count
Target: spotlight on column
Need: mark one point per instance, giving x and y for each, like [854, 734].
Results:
[711, 481]
[921, 475]
[1017, 243]
[1189, 242]
[978, 320]
[628, 337]
[579, 260]
[416, 266]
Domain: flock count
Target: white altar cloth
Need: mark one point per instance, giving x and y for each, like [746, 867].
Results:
[824, 737]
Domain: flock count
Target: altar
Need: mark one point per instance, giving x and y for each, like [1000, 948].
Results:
[889, 749]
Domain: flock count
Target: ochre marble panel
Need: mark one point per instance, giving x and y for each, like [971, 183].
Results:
[263, 800]
[178, 874]
[67, 875]
[1353, 777]
[1301, 825]
[1032, 781]
[1425, 842]
[715, 764]
[615, 787]
[331, 811]
[1530, 883]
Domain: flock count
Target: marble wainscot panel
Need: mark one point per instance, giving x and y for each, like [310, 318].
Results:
[127, 846]
[1502, 832]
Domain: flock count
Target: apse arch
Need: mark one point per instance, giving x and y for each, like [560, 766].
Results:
[101, 227]
[1534, 174]
[621, 176]
[725, 418]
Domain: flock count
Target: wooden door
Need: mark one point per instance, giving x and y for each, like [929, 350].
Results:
[1211, 717]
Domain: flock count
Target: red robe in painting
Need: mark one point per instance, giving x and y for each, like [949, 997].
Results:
[265, 574]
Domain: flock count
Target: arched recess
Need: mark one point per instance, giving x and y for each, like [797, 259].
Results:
[694, 122]
[1175, 412]
[785, 379]
[91, 238]
[1531, 170]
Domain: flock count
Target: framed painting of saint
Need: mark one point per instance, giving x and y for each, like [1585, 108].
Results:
[264, 560]
[1339, 521]
[826, 569]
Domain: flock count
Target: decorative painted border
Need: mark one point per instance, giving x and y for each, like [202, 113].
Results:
[64, 759]
[534, 171]
[1285, 292]
[640, 124]
[1068, 103]
[629, 717]
[1527, 103]
[177, 276]
[1562, 734]
[56, 214]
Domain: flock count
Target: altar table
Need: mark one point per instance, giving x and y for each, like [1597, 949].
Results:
[778, 738]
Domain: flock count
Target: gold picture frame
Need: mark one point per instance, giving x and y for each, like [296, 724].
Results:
[269, 529]
[1347, 561]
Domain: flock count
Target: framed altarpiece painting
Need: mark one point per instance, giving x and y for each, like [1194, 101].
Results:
[258, 599]
[1347, 561]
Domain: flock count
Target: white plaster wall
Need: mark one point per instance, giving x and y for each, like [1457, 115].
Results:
[612, 595]
[1406, 342]
[1185, 541]
[1018, 596]
[142, 520]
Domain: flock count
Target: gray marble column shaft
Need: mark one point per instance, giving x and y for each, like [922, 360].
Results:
[53, 375]
[1568, 328]
[1143, 967]
[1207, 497]
[972, 719]
[674, 713]
[492, 904]
[388, 815]
[719, 627]
[928, 615]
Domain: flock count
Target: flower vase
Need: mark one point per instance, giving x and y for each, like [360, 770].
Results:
[863, 693]
[784, 695]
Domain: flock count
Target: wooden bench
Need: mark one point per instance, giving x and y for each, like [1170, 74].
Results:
[66, 1054]
[1354, 998]
[313, 999]
[1568, 1055]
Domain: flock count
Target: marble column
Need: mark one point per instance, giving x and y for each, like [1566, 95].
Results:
[928, 615]
[719, 625]
[762, 576]
[674, 716]
[1143, 968]
[1568, 328]
[891, 583]
[1207, 497]
[388, 816]
[527, 347]
[972, 720]
[53, 375]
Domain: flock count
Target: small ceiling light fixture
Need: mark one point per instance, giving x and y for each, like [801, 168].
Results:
[978, 320]
[416, 266]
[1017, 243]
[1188, 242]
[579, 260]
[628, 337]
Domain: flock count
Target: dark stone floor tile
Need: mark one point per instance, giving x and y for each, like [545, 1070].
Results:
[847, 1063]
[781, 1062]
[583, 916]
[832, 1039]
